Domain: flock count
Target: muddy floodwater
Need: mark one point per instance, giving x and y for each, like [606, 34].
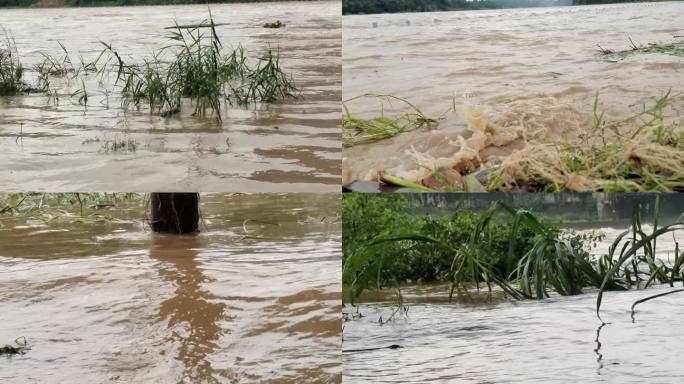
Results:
[557, 340]
[255, 297]
[289, 146]
[533, 72]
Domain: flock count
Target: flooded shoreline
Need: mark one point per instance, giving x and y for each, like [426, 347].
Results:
[254, 297]
[495, 339]
[433, 292]
[523, 75]
[292, 146]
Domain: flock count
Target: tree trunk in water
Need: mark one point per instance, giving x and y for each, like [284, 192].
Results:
[175, 212]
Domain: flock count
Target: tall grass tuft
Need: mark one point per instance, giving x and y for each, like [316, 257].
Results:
[194, 66]
[11, 70]
[632, 258]
[198, 68]
[150, 84]
[267, 82]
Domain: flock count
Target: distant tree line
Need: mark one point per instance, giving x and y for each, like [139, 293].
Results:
[15, 3]
[88, 3]
[350, 7]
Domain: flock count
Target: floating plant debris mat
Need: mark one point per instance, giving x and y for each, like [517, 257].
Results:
[361, 131]
[86, 208]
[20, 347]
[471, 148]
[275, 24]
[673, 49]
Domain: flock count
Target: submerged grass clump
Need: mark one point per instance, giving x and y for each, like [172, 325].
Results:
[150, 84]
[266, 82]
[11, 70]
[196, 66]
[125, 144]
[640, 153]
[356, 131]
[198, 70]
[274, 24]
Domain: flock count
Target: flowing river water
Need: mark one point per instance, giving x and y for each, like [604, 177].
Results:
[254, 297]
[290, 146]
[557, 340]
[532, 72]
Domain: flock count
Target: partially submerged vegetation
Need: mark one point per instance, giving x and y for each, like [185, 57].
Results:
[11, 70]
[195, 66]
[385, 245]
[502, 249]
[357, 130]
[274, 24]
[125, 144]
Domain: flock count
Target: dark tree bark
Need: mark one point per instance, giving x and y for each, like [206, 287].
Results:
[175, 212]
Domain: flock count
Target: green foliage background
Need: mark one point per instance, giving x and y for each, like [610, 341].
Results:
[387, 242]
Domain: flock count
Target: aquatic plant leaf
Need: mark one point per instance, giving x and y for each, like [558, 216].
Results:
[624, 256]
